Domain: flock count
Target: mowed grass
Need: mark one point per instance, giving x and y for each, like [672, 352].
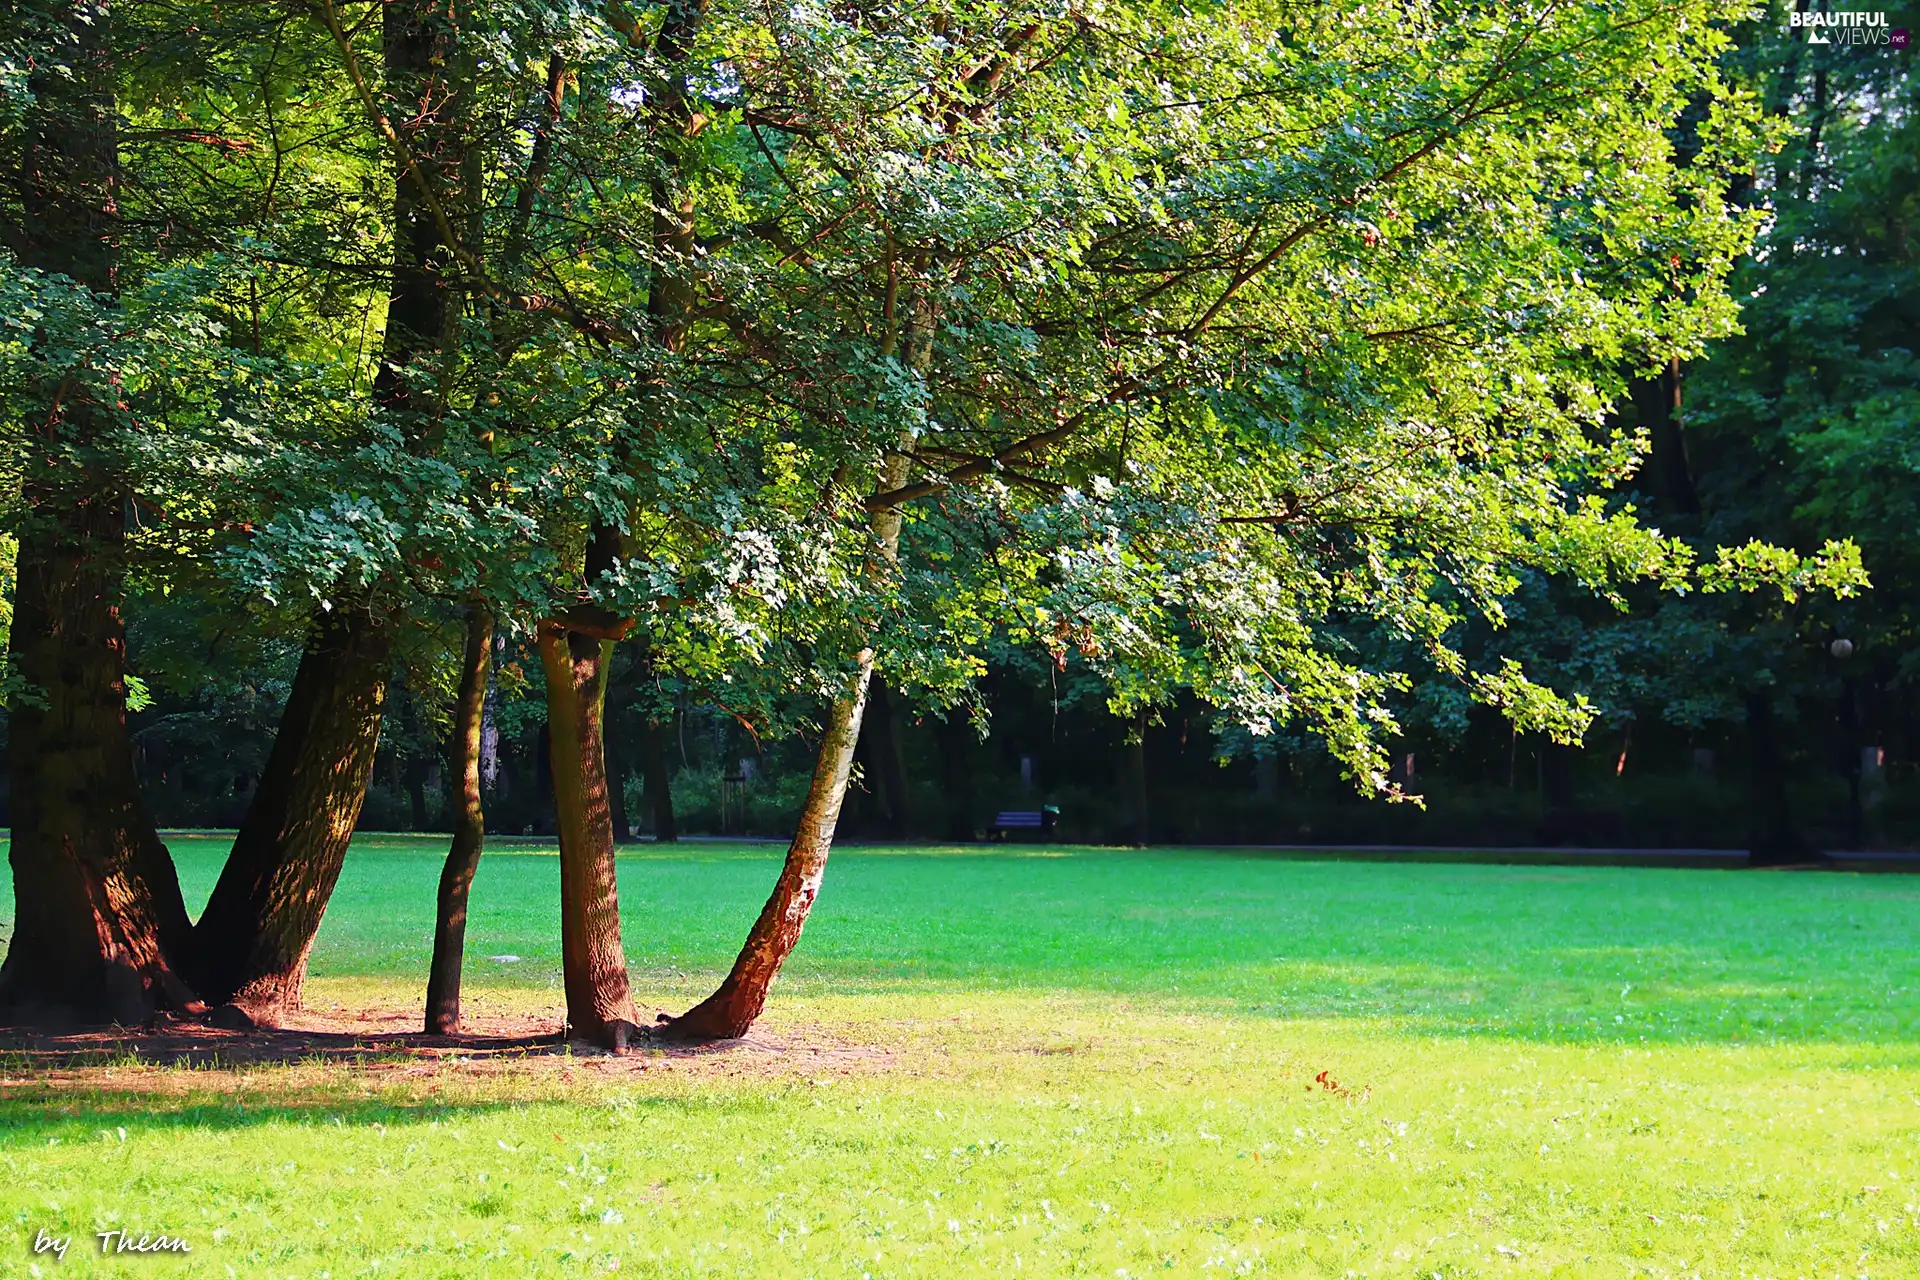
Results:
[1060, 1062]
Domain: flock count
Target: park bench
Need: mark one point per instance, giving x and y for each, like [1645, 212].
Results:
[1039, 821]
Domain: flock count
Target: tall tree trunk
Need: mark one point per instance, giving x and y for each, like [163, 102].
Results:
[469, 828]
[594, 963]
[733, 1007]
[656, 780]
[97, 904]
[251, 943]
[250, 946]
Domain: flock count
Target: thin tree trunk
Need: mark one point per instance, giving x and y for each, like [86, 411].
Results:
[599, 1001]
[415, 777]
[1657, 403]
[656, 781]
[251, 944]
[878, 731]
[616, 759]
[97, 904]
[1133, 782]
[732, 1009]
[469, 828]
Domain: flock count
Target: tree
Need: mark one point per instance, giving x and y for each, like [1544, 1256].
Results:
[98, 906]
[1327, 347]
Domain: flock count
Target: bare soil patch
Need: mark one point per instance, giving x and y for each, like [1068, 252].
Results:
[387, 1042]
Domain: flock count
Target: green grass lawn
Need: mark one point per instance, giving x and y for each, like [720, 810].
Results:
[1060, 1062]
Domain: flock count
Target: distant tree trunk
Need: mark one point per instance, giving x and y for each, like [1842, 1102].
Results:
[416, 782]
[97, 904]
[250, 945]
[654, 778]
[1658, 404]
[954, 739]
[616, 780]
[1774, 837]
[543, 815]
[594, 964]
[469, 828]
[1556, 776]
[1133, 783]
[878, 732]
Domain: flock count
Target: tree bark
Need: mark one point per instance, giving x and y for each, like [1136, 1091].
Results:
[737, 1003]
[732, 1009]
[97, 903]
[469, 828]
[250, 947]
[251, 944]
[599, 1001]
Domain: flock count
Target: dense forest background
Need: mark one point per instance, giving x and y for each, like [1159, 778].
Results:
[1721, 720]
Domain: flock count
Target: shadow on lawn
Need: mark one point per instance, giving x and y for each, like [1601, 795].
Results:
[196, 1045]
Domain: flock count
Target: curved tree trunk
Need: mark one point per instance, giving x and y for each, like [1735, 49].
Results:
[251, 944]
[594, 963]
[97, 903]
[469, 829]
[732, 1009]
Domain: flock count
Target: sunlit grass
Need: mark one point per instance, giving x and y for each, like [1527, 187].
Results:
[1073, 1065]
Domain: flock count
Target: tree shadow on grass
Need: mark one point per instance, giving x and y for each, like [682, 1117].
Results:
[533, 1045]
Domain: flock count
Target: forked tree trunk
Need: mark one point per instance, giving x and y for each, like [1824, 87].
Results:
[733, 1008]
[469, 828]
[593, 961]
[97, 905]
[252, 942]
[250, 946]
